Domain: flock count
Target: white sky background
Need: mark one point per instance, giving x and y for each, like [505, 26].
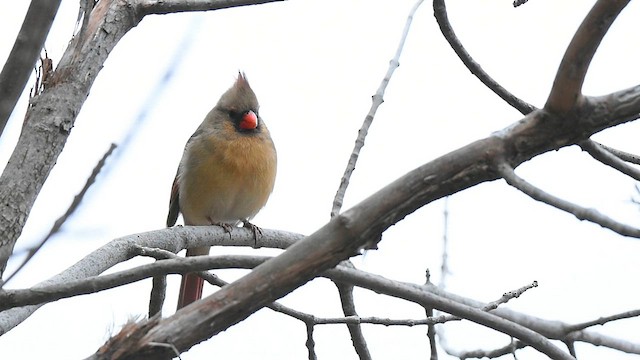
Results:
[314, 66]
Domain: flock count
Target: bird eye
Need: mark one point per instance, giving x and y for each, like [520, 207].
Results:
[233, 114]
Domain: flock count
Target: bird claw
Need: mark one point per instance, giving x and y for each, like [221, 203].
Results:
[226, 227]
[256, 232]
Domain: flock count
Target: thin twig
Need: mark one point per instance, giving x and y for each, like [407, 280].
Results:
[503, 300]
[431, 335]
[599, 153]
[24, 54]
[508, 296]
[311, 345]
[510, 348]
[604, 320]
[70, 210]
[377, 100]
[581, 213]
[488, 307]
[158, 294]
[440, 11]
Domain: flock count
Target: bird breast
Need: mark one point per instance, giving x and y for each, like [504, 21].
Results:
[226, 181]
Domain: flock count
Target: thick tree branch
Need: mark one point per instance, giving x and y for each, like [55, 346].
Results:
[24, 54]
[567, 86]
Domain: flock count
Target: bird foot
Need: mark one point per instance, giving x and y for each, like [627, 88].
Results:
[256, 232]
[226, 227]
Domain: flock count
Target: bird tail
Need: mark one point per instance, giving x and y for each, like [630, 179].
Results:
[192, 284]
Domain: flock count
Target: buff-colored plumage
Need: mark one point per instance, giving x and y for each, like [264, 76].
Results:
[227, 171]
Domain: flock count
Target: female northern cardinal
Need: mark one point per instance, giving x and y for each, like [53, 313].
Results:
[226, 174]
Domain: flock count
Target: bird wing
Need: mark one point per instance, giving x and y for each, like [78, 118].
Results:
[174, 204]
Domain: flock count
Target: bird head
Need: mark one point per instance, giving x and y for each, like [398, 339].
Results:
[240, 106]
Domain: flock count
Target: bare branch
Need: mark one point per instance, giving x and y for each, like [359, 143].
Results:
[491, 354]
[175, 238]
[606, 341]
[125, 248]
[148, 7]
[408, 292]
[628, 157]
[508, 296]
[158, 293]
[70, 210]
[605, 157]
[604, 320]
[377, 100]
[311, 345]
[417, 294]
[212, 279]
[579, 212]
[567, 86]
[24, 54]
[345, 291]
[440, 12]
[90, 285]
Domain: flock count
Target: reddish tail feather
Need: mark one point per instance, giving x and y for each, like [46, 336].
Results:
[190, 289]
[192, 284]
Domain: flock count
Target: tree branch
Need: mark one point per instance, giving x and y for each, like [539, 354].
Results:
[70, 210]
[601, 154]
[604, 320]
[175, 238]
[149, 7]
[628, 157]
[408, 292]
[345, 291]
[567, 86]
[579, 212]
[440, 12]
[24, 54]
[127, 247]
[377, 100]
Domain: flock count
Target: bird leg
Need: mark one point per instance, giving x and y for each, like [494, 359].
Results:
[256, 231]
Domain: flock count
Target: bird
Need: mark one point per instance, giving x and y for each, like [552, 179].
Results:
[226, 174]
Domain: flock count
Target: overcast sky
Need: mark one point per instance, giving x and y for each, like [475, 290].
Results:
[314, 66]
